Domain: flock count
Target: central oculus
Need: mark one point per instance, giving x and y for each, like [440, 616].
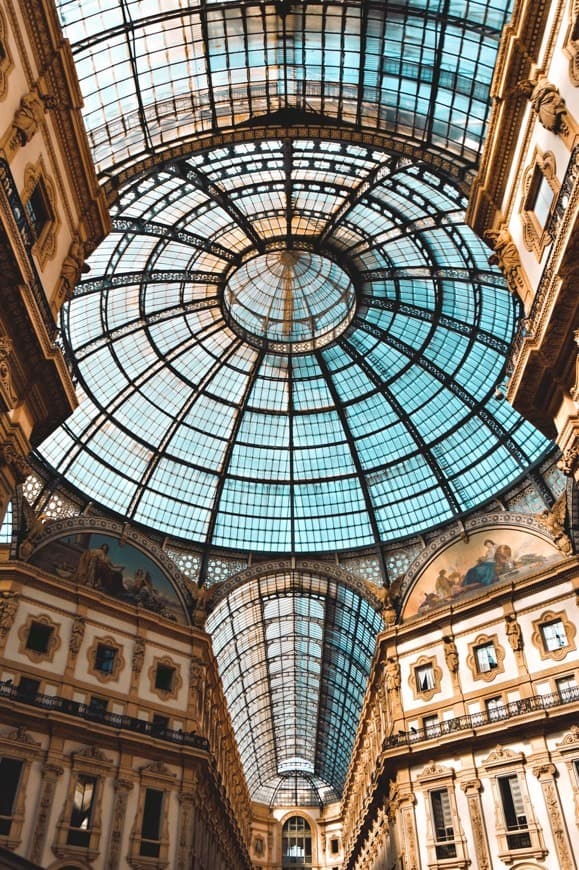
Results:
[289, 298]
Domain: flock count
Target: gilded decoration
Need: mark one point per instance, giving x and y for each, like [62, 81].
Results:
[562, 645]
[536, 236]
[484, 559]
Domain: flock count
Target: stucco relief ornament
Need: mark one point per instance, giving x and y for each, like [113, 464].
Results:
[382, 594]
[8, 608]
[72, 268]
[138, 656]
[574, 392]
[554, 522]
[34, 525]
[506, 257]
[547, 103]
[76, 635]
[29, 116]
[14, 460]
[570, 460]
[7, 391]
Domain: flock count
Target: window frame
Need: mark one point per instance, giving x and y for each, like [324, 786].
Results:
[479, 642]
[423, 663]
[92, 764]
[542, 169]
[177, 682]
[53, 640]
[118, 663]
[549, 617]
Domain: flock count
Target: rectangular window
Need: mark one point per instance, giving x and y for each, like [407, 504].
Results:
[443, 827]
[104, 660]
[39, 635]
[576, 767]
[554, 635]
[159, 724]
[38, 210]
[10, 771]
[540, 197]
[28, 687]
[495, 709]
[82, 807]
[334, 846]
[97, 707]
[514, 812]
[431, 726]
[485, 657]
[151, 825]
[164, 677]
[567, 689]
[424, 678]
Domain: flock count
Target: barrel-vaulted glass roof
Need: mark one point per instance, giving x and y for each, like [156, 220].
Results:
[157, 75]
[294, 650]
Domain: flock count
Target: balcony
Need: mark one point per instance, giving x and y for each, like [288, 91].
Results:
[537, 703]
[117, 721]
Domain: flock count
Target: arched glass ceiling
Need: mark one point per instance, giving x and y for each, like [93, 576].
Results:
[191, 428]
[294, 651]
[156, 75]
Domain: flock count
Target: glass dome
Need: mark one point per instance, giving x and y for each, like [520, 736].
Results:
[290, 341]
[351, 402]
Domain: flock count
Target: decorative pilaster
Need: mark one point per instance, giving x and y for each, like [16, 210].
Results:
[403, 802]
[50, 774]
[122, 789]
[8, 608]
[472, 788]
[14, 467]
[545, 773]
[185, 835]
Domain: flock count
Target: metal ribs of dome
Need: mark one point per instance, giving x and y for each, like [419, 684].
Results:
[391, 429]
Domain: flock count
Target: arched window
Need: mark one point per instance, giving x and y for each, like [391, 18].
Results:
[296, 843]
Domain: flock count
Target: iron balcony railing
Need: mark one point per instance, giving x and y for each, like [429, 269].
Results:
[500, 713]
[103, 717]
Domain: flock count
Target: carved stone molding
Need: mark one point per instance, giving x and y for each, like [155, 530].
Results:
[18, 464]
[122, 789]
[471, 788]
[76, 635]
[8, 608]
[50, 774]
[545, 773]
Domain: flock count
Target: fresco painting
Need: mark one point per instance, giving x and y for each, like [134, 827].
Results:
[488, 557]
[118, 569]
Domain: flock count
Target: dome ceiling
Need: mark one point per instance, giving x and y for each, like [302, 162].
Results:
[290, 341]
[291, 346]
